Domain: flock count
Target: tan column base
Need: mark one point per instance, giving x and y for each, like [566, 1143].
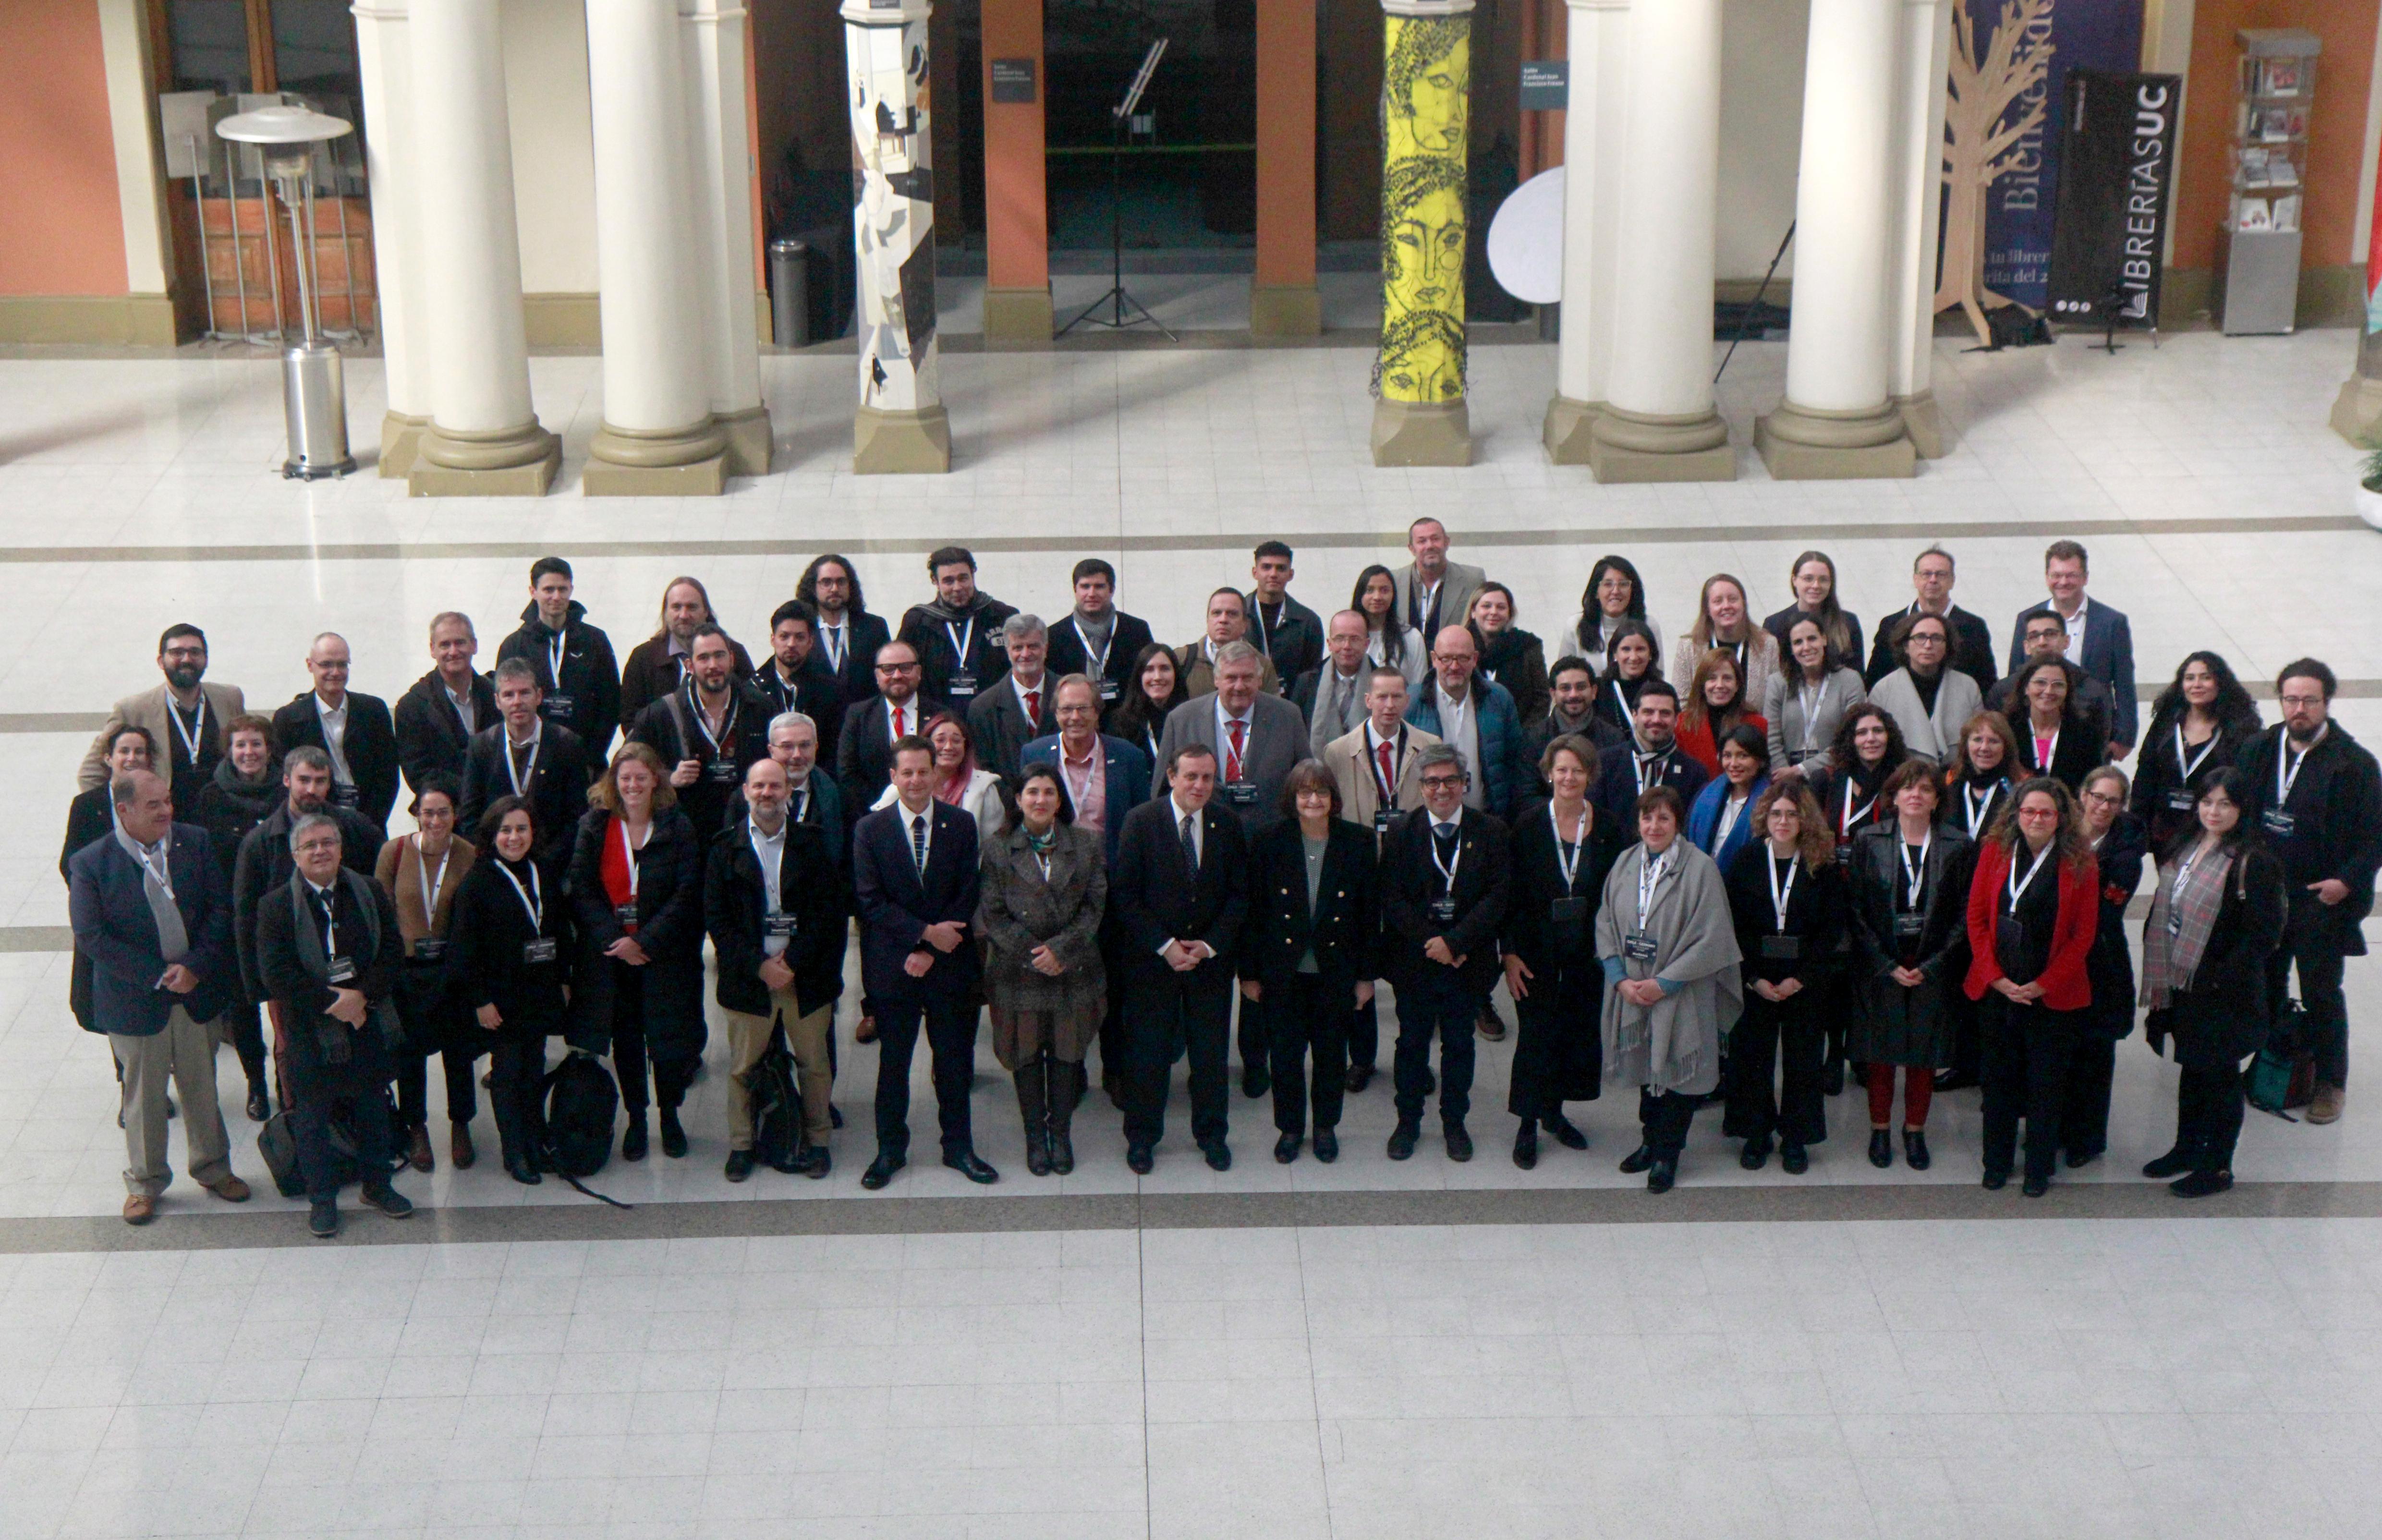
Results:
[659, 462]
[1803, 444]
[1285, 309]
[502, 463]
[1923, 421]
[400, 441]
[1646, 446]
[900, 443]
[750, 446]
[1421, 432]
[1017, 315]
[1569, 427]
[2357, 413]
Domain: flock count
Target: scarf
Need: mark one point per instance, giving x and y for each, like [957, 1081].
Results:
[1040, 843]
[2178, 932]
[173, 936]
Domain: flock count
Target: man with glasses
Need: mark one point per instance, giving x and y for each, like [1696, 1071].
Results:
[184, 717]
[1972, 641]
[863, 748]
[2045, 635]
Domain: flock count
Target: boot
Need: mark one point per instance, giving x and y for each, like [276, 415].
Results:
[1034, 1105]
[1066, 1090]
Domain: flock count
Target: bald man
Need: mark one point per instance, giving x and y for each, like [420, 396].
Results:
[354, 729]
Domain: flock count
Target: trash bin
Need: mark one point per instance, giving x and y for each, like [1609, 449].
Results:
[789, 309]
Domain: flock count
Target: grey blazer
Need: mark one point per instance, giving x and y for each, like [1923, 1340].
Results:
[1456, 591]
[1937, 734]
[1017, 910]
[1277, 742]
[1338, 709]
[1782, 706]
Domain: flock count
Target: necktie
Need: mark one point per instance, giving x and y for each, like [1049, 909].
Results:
[901, 726]
[1446, 835]
[1233, 759]
[918, 842]
[1034, 706]
[520, 766]
[1190, 844]
[1389, 772]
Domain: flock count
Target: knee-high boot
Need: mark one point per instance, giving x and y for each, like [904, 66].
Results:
[1066, 1090]
[1034, 1105]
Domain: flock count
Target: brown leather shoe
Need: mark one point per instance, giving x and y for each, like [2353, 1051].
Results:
[417, 1150]
[864, 1030]
[2325, 1107]
[459, 1148]
[140, 1208]
[231, 1190]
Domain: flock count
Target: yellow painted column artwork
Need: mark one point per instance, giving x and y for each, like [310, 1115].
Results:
[1419, 413]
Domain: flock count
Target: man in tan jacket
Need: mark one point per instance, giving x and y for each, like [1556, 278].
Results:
[1357, 758]
[183, 717]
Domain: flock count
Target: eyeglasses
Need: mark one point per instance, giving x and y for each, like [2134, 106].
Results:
[317, 846]
[2301, 700]
[2103, 799]
[1443, 781]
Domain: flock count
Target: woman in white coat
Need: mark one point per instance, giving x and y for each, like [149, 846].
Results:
[959, 781]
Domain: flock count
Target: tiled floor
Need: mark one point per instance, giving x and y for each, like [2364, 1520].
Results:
[2167, 1376]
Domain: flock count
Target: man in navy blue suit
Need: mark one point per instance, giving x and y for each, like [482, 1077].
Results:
[2100, 640]
[914, 868]
[152, 913]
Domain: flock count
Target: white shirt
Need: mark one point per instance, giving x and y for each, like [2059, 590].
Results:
[465, 707]
[1224, 720]
[1040, 687]
[909, 727]
[769, 850]
[2075, 624]
[831, 638]
[1459, 727]
[921, 846]
[335, 738]
[1198, 827]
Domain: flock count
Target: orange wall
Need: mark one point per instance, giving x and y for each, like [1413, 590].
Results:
[61, 232]
[1017, 234]
[2336, 131]
[1286, 48]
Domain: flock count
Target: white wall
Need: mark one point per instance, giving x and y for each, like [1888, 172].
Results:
[554, 156]
[1761, 130]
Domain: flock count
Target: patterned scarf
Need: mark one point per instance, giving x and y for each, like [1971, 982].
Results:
[2180, 926]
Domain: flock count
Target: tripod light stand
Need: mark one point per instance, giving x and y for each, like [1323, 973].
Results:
[1116, 299]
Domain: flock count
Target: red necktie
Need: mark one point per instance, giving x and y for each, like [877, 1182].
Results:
[1389, 774]
[1033, 705]
[900, 729]
[1232, 757]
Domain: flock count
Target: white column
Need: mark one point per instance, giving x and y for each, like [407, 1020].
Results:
[140, 174]
[1594, 123]
[384, 59]
[657, 437]
[1921, 68]
[1658, 423]
[901, 424]
[484, 437]
[714, 37]
[1836, 421]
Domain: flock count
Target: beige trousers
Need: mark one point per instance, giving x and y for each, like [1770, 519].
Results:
[748, 1039]
[185, 1053]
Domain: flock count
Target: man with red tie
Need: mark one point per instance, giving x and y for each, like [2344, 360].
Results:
[864, 749]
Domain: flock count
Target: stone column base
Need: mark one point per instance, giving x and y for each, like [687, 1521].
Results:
[501, 462]
[750, 444]
[1421, 432]
[657, 462]
[2357, 413]
[1646, 446]
[1805, 444]
[1017, 316]
[400, 440]
[1923, 421]
[900, 443]
[1285, 309]
[1569, 428]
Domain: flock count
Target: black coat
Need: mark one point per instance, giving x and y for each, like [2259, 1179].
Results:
[1952, 812]
[1615, 792]
[1518, 660]
[734, 903]
[673, 728]
[431, 739]
[863, 749]
[1156, 899]
[857, 679]
[2110, 965]
[585, 696]
[2080, 750]
[1411, 884]
[490, 928]
[997, 727]
[264, 862]
[1528, 932]
[815, 692]
[1972, 647]
[1815, 916]
[1296, 642]
[987, 656]
[1343, 929]
[369, 746]
[557, 787]
[91, 816]
[670, 928]
[897, 902]
[1782, 623]
[2335, 813]
[1891, 1025]
[281, 973]
[2222, 1019]
[1125, 641]
[651, 671]
[2160, 783]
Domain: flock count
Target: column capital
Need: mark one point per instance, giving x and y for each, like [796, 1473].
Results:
[379, 10]
[885, 13]
[1427, 7]
[1598, 5]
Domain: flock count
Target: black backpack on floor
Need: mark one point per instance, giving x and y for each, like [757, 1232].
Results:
[276, 1145]
[582, 1106]
[777, 1109]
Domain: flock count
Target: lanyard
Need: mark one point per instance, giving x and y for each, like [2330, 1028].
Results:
[2191, 766]
[702, 718]
[1078, 789]
[1388, 788]
[1099, 661]
[533, 901]
[2045, 751]
[1569, 870]
[1916, 874]
[2018, 885]
[2175, 890]
[1640, 763]
[327, 897]
[769, 871]
[1811, 700]
[831, 638]
[1781, 897]
[1649, 875]
[194, 734]
[530, 770]
[1977, 809]
[1447, 872]
[2287, 768]
[960, 640]
[1852, 815]
[430, 886]
[1265, 638]
[163, 879]
[629, 849]
[1621, 700]
[554, 660]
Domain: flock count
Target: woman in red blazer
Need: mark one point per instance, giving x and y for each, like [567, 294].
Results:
[2033, 909]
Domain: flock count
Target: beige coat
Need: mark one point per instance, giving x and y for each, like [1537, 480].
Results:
[151, 709]
[1359, 798]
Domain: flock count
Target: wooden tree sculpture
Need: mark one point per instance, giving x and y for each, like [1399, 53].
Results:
[1977, 153]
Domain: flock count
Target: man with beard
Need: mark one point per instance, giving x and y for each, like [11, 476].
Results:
[436, 718]
[573, 659]
[658, 664]
[708, 731]
[797, 677]
[1652, 759]
[184, 717]
[1571, 710]
[846, 635]
[956, 635]
[264, 860]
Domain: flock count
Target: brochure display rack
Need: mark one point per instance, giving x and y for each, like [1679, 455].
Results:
[2260, 246]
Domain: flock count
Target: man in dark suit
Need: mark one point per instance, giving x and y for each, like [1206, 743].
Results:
[1287, 634]
[522, 755]
[2043, 635]
[658, 664]
[955, 636]
[354, 729]
[1098, 640]
[2101, 640]
[1972, 642]
[1179, 887]
[573, 659]
[797, 677]
[847, 634]
[436, 718]
[1005, 717]
[915, 870]
[264, 860]
[864, 747]
[1651, 758]
[708, 731]
[327, 952]
[151, 912]
[1445, 873]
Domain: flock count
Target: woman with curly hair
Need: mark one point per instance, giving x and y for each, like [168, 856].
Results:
[2198, 724]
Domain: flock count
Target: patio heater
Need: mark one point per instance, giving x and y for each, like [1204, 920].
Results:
[313, 385]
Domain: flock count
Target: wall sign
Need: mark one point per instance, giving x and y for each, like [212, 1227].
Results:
[2115, 184]
[1546, 84]
[1012, 80]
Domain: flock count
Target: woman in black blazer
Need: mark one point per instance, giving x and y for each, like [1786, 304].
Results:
[1787, 895]
[1560, 859]
[1310, 944]
[511, 962]
[2198, 727]
[2054, 738]
[636, 889]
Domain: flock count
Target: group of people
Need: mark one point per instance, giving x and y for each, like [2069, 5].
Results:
[1809, 858]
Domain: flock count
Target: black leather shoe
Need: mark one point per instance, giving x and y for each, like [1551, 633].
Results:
[967, 1164]
[816, 1163]
[2078, 1158]
[673, 1136]
[1914, 1149]
[1286, 1149]
[2174, 1162]
[1996, 1181]
[1359, 1077]
[260, 1108]
[1219, 1153]
[1794, 1159]
[1834, 1083]
[634, 1139]
[522, 1171]
[1526, 1145]
[323, 1218]
[1402, 1141]
[1660, 1175]
[1953, 1079]
[740, 1164]
[1327, 1145]
[1881, 1148]
[388, 1200]
[834, 1116]
[1256, 1081]
[1459, 1143]
[1567, 1133]
[1637, 1160]
[2035, 1187]
[2200, 1184]
[1755, 1155]
[1492, 1026]
[1141, 1159]
[881, 1169]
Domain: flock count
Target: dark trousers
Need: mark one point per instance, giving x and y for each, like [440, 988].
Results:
[2085, 1112]
[1192, 1013]
[950, 1038]
[243, 1028]
[1113, 1037]
[1436, 1002]
[1968, 1057]
[1558, 1043]
[1775, 1068]
[1306, 1015]
[517, 1089]
[1664, 1118]
[1256, 1052]
[1365, 1036]
[2023, 1052]
[2208, 1105]
[315, 1085]
[413, 1086]
[671, 1076]
[2311, 944]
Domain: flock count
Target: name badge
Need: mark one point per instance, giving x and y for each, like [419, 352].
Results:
[1638, 946]
[1909, 926]
[627, 916]
[1442, 910]
[960, 687]
[1844, 851]
[558, 705]
[1782, 948]
[430, 949]
[1241, 793]
[1110, 691]
[722, 772]
[1567, 919]
[2279, 823]
[779, 927]
[342, 970]
[545, 948]
[1382, 817]
[346, 797]
[2179, 800]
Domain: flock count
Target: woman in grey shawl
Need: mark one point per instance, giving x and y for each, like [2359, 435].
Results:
[1672, 989]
